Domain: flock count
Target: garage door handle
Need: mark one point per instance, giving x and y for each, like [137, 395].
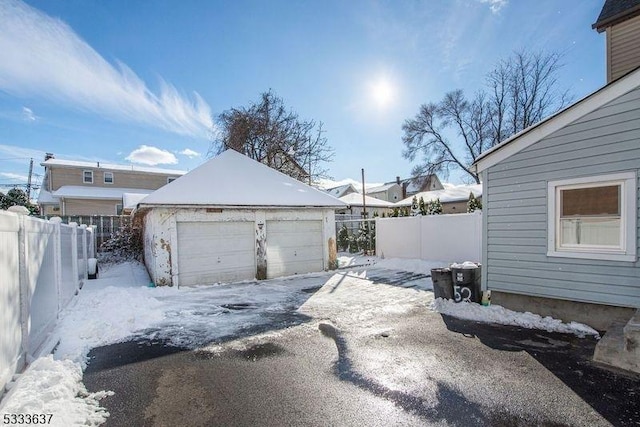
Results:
[218, 260]
[295, 253]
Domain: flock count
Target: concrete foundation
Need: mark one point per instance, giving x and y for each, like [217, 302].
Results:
[598, 316]
[620, 346]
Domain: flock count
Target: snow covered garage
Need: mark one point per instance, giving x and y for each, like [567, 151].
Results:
[233, 219]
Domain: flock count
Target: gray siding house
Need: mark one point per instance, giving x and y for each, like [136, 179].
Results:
[560, 203]
[561, 220]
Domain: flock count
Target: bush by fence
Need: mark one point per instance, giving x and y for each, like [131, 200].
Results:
[355, 234]
[43, 267]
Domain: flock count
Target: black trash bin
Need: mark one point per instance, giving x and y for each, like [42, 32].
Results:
[466, 284]
[442, 283]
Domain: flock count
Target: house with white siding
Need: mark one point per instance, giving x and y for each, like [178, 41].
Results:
[561, 221]
[232, 219]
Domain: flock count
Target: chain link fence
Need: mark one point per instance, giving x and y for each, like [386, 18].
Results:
[356, 234]
[104, 226]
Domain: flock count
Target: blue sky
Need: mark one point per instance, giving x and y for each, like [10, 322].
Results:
[141, 81]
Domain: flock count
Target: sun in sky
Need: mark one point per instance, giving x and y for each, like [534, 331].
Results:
[382, 92]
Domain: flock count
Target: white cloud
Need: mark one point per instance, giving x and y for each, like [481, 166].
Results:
[189, 153]
[151, 156]
[27, 114]
[14, 176]
[495, 5]
[44, 57]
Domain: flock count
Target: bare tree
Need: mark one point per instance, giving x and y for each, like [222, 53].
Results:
[270, 133]
[451, 134]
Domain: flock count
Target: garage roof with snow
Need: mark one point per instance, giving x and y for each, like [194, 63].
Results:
[233, 179]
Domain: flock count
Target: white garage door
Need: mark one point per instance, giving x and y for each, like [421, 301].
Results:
[211, 252]
[294, 247]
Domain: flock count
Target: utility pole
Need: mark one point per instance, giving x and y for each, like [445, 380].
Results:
[364, 211]
[364, 202]
[29, 181]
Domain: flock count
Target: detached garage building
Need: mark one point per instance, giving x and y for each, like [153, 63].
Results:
[235, 219]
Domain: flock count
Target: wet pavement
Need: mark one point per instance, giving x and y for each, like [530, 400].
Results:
[365, 354]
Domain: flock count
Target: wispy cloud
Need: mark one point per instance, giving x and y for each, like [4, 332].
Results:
[44, 57]
[20, 154]
[495, 5]
[14, 176]
[189, 153]
[27, 114]
[152, 156]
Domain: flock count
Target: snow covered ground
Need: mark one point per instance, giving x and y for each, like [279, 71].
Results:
[122, 306]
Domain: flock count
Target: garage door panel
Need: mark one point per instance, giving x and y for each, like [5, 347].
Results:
[294, 247]
[210, 252]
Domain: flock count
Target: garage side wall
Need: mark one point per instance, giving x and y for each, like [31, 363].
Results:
[515, 202]
[159, 224]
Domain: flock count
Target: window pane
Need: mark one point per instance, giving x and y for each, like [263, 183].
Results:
[590, 201]
[88, 176]
[590, 232]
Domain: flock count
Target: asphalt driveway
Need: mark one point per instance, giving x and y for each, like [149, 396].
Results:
[365, 351]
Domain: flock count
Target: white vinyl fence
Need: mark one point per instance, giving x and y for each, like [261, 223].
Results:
[42, 267]
[449, 238]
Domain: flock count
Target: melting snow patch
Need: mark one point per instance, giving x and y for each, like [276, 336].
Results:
[465, 265]
[503, 316]
[55, 387]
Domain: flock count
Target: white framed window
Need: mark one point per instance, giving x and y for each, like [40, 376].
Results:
[87, 177]
[593, 217]
[108, 177]
[171, 179]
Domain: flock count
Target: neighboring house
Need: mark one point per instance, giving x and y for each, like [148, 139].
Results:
[420, 184]
[561, 202]
[454, 199]
[341, 190]
[233, 218]
[93, 188]
[620, 19]
[391, 192]
[373, 206]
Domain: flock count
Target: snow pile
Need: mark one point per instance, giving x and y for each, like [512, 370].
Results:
[503, 316]
[350, 260]
[106, 316]
[55, 387]
[465, 265]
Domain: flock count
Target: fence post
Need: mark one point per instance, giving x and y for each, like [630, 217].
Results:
[85, 257]
[25, 294]
[74, 251]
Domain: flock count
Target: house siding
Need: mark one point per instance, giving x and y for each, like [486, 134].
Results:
[60, 176]
[623, 43]
[515, 201]
[89, 207]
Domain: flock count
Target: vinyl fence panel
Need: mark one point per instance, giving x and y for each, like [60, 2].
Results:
[11, 351]
[446, 238]
[42, 288]
[68, 264]
[39, 276]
